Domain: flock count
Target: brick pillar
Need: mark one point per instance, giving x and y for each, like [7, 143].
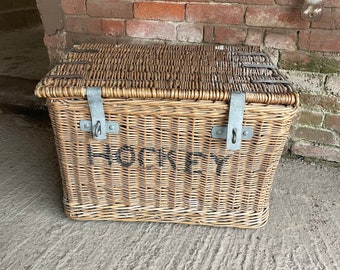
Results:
[53, 20]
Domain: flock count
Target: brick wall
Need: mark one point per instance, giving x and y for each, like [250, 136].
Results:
[15, 14]
[316, 131]
[309, 52]
[274, 24]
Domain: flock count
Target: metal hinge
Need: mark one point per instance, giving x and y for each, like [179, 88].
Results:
[234, 132]
[98, 125]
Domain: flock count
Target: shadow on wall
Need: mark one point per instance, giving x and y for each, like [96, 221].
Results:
[17, 14]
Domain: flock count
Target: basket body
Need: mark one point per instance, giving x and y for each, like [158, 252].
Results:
[164, 165]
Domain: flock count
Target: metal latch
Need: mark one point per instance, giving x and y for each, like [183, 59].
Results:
[234, 132]
[98, 125]
[312, 10]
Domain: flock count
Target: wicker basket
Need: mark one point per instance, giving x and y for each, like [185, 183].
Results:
[160, 160]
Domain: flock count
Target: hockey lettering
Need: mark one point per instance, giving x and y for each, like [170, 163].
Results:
[150, 158]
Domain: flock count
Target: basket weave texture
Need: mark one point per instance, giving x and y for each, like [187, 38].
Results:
[163, 165]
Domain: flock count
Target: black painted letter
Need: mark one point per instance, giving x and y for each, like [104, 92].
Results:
[189, 162]
[171, 159]
[132, 156]
[162, 156]
[106, 155]
[219, 163]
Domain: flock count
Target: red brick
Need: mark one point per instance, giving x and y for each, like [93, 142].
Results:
[310, 118]
[55, 55]
[295, 3]
[110, 9]
[79, 38]
[316, 135]
[151, 29]
[295, 60]
[320, 152]
[185, 1]
[254, 37]
[330, 19]
[307, 82]
[113, 27]
[283, 40]
[159, 11]
[249, 2]
[274, 16]
[312, 62]
[332, 3]
[332, 85]
[319, 40]
[327, 103]
[230, 35]
[215, 13]
[82, 24]
[190, 33]
[73, 7]
[332, 121]
[55, 41]
[208, 34]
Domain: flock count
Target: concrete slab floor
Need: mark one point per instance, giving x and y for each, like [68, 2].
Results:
[302, 232]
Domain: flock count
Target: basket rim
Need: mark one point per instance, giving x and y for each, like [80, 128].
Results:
[107, 92]
[89, 59]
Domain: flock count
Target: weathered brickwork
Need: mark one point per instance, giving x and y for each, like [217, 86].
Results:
[316, 130]
[276, 24]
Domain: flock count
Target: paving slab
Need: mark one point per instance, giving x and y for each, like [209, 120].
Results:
[303, 231]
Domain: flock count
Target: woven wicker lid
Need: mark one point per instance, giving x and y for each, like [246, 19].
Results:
[168, 71]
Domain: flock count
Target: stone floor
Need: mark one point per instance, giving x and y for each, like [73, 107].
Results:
[303, 231]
